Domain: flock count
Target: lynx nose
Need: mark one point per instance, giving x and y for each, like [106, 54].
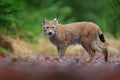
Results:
[50, 33]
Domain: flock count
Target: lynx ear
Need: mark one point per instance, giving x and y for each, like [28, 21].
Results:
[44, 20]
[56, 19]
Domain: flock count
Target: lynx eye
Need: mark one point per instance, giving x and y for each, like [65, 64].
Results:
[53, 26]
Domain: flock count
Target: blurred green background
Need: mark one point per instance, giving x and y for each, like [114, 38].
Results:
[24, 17]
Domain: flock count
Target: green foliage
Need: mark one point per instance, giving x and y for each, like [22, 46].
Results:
[6, 15]
[27, 14]
[113, 16]
[3, 50]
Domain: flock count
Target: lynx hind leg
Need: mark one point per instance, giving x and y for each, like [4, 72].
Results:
[101, 49]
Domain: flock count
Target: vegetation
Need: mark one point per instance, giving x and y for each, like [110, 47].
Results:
[25, 54]
[27, 14]
[23, 18]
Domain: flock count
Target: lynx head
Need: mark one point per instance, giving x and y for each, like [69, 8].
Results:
[49, 27]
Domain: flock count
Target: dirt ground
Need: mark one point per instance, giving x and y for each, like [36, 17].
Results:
[25, 64]
[47, 67]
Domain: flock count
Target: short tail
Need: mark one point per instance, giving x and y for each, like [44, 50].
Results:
[101, 36]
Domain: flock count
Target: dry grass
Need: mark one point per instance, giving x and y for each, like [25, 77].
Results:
[14, 45]
[43, 46]
[113, 44]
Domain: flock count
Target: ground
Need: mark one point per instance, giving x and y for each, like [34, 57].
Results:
[25, 60]
[49, 67]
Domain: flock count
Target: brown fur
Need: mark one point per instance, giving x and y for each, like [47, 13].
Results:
[84, 33]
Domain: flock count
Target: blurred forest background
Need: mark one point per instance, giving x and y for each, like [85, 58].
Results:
[23, 18]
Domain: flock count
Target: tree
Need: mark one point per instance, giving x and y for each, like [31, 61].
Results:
[6, 16]
[113, 16]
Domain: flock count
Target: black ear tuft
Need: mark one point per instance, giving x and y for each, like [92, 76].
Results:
[56, 19]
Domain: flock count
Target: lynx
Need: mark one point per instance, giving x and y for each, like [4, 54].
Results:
[84, 33]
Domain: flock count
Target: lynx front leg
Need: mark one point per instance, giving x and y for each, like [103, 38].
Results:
[61, 51]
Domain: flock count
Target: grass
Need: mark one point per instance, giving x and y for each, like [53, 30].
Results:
[43, 46]
[113, 44]
[3, 50]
